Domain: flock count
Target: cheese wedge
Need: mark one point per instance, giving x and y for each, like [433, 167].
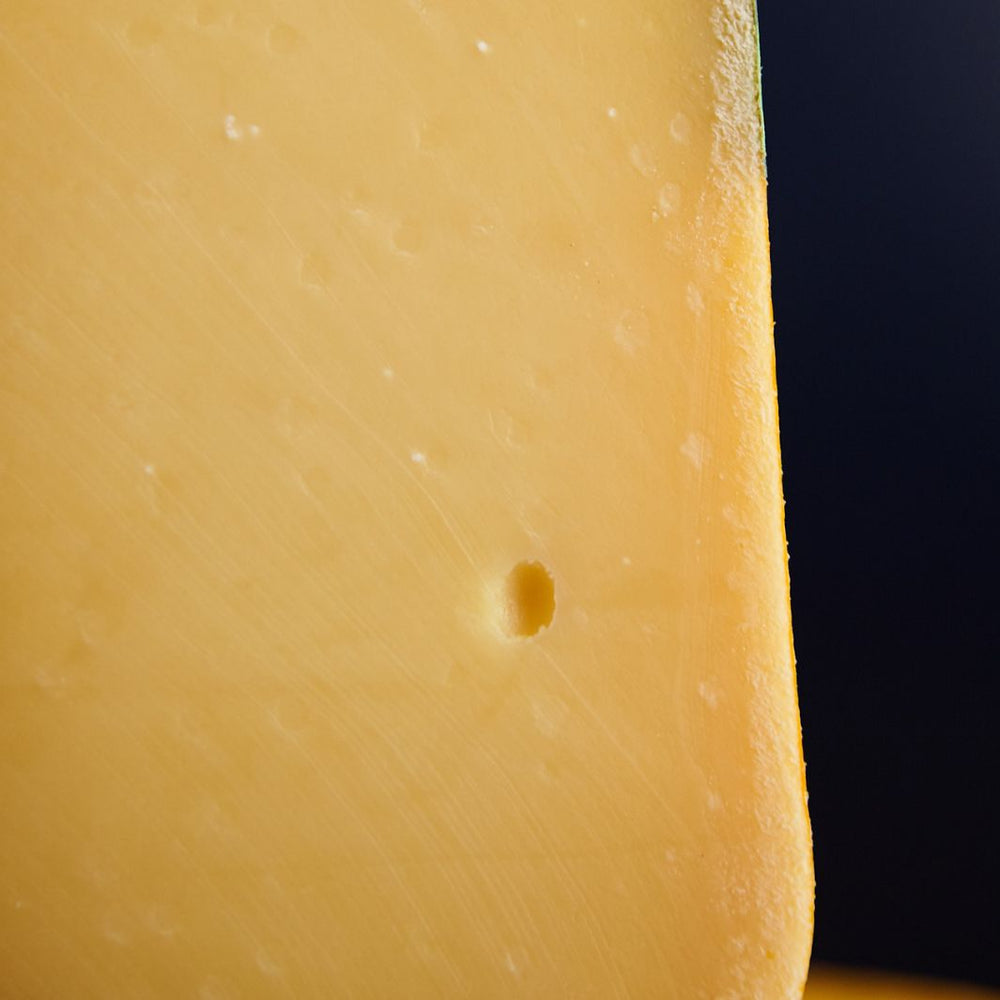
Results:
[394, 590]
[831, 983]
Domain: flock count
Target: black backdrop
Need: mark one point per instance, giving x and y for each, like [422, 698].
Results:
[883, 136]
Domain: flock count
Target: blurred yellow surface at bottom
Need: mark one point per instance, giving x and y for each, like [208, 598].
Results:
[832, 983]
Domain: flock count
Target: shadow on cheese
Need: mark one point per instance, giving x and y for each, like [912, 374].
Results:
[529, 600]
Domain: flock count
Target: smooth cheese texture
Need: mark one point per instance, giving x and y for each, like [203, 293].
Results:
[394, 588]
[831, 983]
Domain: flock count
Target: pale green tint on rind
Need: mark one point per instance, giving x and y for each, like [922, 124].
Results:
[760, 87]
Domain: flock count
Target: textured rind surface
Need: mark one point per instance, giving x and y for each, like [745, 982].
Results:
[738, 174]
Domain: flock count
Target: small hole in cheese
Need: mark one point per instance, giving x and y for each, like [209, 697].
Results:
[529, 600]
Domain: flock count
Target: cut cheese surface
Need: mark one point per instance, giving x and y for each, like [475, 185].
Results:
[392, 567]
[831, 983]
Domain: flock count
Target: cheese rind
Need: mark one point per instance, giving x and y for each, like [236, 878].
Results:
[319, 322]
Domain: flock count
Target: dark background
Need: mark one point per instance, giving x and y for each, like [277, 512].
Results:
[883, 136]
